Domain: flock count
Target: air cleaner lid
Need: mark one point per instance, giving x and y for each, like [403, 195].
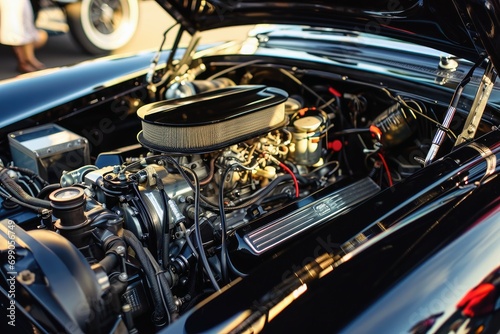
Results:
[212, 120]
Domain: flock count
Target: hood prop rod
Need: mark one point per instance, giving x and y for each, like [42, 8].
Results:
[478, 106]
[154, 62]
[438, 139]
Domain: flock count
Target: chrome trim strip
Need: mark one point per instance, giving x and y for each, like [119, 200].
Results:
[313, 214]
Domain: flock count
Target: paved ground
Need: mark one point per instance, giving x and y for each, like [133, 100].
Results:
[61, 50]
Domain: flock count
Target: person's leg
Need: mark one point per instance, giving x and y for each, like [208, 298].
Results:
[42, 39]
[23, 53]
[18, 30]
[38, 37]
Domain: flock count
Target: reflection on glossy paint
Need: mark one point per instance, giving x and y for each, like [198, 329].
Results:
[476, 312]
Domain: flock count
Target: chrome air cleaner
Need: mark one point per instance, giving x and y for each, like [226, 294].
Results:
[212, 120]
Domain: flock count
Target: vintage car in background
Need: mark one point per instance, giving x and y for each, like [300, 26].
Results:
[97, 26]
[336, 171]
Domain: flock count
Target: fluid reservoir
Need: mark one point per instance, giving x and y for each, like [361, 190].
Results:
[396, 124]
[307, 140]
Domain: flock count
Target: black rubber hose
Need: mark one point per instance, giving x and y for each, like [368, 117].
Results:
[195, 185]
[169, 297]
[17, 192]
[276, 198]
[109, 262]
[224, 252]
[30, 173]
[166, 248]
[23, 204]
[160, 312]
[165, 233]
[197, 230]
[164, 284]
[254, 197]
[260, 194]
[47, 190]
[111, 259]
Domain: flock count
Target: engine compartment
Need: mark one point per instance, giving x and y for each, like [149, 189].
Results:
[232, 166]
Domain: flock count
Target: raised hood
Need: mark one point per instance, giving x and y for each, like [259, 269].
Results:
[464, 28]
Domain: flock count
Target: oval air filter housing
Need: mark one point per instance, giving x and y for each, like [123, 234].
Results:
[213, 120]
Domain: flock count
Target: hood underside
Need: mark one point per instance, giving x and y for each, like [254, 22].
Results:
[443, 25]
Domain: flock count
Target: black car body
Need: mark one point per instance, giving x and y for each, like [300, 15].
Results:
[336, 171]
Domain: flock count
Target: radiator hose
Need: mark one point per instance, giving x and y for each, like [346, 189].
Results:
[18, 193]
[150, 272]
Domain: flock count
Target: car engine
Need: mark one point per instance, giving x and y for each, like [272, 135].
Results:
[231, 167]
